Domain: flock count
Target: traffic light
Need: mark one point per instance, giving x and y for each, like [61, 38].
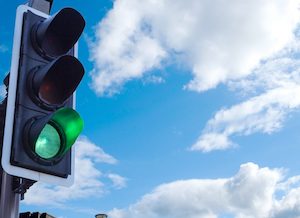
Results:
[41, 123]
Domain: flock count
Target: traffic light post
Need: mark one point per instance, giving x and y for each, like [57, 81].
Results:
[41, 124]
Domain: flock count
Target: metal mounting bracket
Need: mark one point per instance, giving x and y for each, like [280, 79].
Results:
[41, 5]
[21, 185]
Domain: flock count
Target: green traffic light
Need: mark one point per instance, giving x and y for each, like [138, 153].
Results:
[48, 143]
[59, 134]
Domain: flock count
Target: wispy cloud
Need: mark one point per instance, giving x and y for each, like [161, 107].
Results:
[118, 181]
[87, 149]
[153, 80]
[218, 41]
[274, 87]
[249, 193]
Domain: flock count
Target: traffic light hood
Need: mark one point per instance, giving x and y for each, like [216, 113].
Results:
[57, 34]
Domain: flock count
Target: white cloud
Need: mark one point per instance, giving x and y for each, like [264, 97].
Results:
[87, 178]
[218, 40]
[278, 82]
[212, 141]
[250, 193]
[153, 80]
[252, 47]
[264, 113]
[118, 181]
[87, 149]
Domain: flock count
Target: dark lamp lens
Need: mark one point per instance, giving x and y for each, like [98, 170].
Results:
[57, 82]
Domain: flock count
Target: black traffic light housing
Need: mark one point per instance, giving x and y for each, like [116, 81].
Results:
[45, 125]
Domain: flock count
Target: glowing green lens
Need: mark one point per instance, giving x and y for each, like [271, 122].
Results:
[48, 143]
[55, 141]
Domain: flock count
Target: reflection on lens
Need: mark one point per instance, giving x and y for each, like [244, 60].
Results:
[48, 143]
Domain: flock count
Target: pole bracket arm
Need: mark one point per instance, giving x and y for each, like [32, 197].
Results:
[41, 5]
[20, 185]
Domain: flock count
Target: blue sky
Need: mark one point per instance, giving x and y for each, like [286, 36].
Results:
[191, 109]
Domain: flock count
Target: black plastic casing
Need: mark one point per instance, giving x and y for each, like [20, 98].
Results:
[27, 110]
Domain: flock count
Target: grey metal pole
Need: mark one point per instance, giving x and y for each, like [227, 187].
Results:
[41, 5]
[9, 202]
